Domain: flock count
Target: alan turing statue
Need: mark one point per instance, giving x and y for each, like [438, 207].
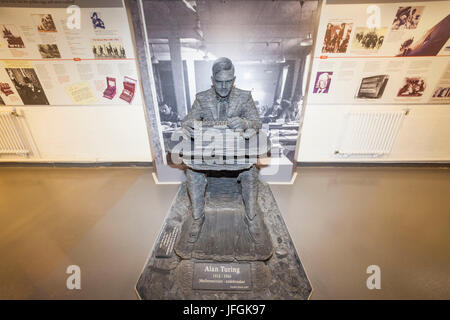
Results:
[224, 237]
[223, 105]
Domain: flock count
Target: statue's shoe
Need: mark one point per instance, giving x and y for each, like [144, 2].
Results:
[196, 228]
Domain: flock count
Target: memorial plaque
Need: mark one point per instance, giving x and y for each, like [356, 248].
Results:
[166, 242]
[222, 276]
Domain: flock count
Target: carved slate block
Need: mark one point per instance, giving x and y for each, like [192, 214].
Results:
[278, 275]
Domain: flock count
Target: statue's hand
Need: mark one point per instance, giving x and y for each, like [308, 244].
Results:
[188, 131]
[250, 132]
[237, 123]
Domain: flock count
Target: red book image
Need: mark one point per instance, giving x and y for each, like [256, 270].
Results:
[5, 89]
[129, 86]
[110, 90]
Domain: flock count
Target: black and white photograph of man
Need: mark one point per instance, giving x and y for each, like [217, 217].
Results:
[323, 81]
[28, 86]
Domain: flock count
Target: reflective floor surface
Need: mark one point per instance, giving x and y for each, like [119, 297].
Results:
[342, 220]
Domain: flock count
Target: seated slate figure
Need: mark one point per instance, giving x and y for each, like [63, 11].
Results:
[217, 241]
[224, 103]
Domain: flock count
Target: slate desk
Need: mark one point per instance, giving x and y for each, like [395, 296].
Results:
[225, 262]
[218, 148]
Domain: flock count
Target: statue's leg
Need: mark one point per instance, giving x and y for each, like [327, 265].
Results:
[249, 183]
[196, 186]
[249, 186]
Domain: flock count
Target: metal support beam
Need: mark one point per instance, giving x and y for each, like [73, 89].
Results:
[296, 79]
[178, 75]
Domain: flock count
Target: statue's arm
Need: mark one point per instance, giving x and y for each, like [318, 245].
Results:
[251, 115]
[194, 115]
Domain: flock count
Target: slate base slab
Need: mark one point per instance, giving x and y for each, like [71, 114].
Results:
[175, 269]
[224, 235]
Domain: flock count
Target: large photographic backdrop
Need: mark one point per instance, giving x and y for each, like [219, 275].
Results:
[266, 49]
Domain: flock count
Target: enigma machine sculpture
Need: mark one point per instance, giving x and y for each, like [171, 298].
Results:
[224, 237]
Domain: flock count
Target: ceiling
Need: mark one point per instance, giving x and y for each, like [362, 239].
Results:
[243, 30]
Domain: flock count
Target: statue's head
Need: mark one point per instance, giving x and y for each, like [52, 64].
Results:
[223, 76]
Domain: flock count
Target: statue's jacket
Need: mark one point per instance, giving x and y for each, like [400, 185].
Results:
[206, 108]
[240, 104]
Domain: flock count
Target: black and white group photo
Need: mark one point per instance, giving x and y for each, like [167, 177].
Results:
[368, 38]
[337, 37]
[11, 34]
[49, 51]
[105, 49]
[412, 87]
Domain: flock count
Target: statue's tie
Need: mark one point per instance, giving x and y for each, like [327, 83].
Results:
[223, 111]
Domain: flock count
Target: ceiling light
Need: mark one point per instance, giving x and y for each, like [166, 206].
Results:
[307, 41]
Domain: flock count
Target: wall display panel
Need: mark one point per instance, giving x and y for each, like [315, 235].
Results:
[382, 53]
[66, 55]
[372, 61]
[72, 103]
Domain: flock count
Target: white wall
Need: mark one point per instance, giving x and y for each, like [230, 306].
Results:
[424, 135]
[84, 134]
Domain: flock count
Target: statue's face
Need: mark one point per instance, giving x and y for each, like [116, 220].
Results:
[223, 83]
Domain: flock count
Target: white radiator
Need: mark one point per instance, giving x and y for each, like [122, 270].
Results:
[12, 140]
[369, 133]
